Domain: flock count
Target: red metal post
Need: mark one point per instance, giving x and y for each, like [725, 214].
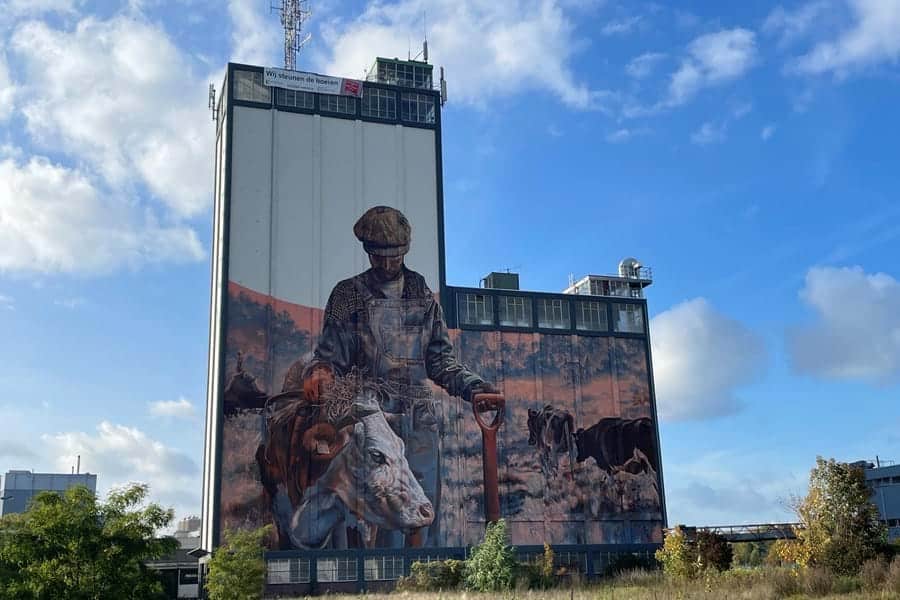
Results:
[481, 404]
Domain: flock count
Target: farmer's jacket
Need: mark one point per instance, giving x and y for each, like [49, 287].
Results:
[347, 339]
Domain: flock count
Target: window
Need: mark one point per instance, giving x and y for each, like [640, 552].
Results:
[344, 105]
[417, 108]
[590, 316]
[336, 569]
[295, 99]
[572, 561]
[514, 311]
[278, 571]
[248, 85]
[628, 318]
[405, 75]
[287, 570]
[378, 103]
[476, 309]
[553, 314]
[380, 568]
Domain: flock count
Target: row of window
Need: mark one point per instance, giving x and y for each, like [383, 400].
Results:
[385, 568]
[336, 569]
[376, 103]
[549, 313]
[892, 522]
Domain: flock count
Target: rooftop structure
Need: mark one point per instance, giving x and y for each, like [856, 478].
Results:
[633, 277]
[402, 73]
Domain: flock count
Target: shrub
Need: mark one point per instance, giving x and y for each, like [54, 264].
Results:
[677, 556]
[873, 573]
[492, 564]
[818, 581]
[433, 576]
[713, 551]
[784, 583]
[539, 574]
[892, 581]
[237, 570]
[630, 562]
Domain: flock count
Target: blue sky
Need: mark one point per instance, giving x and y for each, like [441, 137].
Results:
[745, 151]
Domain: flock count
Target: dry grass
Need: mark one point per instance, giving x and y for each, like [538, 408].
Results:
[613, 593]
[750, 585]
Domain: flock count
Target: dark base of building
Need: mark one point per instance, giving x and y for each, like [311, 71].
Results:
[308, 572]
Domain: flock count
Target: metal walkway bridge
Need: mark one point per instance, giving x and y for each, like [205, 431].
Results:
[759, 532]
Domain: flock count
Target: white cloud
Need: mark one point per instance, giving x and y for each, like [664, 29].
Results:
[624, 134]
[709, 133]
[489, 49]
[730, 487]
[119, 454]
[857, 332]
[55, 220]
[255, 34]
[622, 26]
[554, 130]
[790, 25]
[713, 58]
[767, 132]
[8, 88]
[641, 66]
[7, 303]
[872, 39]
[120, 97]
[180, 408]
[700, 359]
[70, 303]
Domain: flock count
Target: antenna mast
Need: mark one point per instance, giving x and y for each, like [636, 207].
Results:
[294, 13]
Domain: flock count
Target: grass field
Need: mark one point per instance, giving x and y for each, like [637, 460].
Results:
[751, 584]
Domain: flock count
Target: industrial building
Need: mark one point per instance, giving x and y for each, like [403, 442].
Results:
[305, 163]
[19, 487]
[884, 481]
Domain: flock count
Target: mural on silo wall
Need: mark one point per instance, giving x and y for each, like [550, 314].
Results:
[352, 425]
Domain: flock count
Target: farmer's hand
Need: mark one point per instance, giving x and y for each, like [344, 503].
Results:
[319, 377]
[486, 403]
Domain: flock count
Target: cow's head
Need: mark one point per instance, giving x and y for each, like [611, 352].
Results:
[582, 453]
[376, 482]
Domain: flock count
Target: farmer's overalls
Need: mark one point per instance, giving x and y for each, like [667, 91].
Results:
[400, 337]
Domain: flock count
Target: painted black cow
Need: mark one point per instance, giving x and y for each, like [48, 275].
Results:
[612, 443]
[242, 393]
[553, 432]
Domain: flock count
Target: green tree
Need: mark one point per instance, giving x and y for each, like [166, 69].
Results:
[677, 556]
[237, 569]
[72, 546]
[841, 528]
[492, 564]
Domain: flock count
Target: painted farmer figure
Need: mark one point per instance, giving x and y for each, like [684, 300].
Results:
[386, 323]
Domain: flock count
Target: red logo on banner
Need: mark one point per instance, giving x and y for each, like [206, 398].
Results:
[352, 87]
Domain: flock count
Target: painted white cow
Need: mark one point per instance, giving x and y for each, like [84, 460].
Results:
[368, 485]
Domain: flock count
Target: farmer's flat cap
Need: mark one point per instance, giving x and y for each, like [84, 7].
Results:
[384, 231]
